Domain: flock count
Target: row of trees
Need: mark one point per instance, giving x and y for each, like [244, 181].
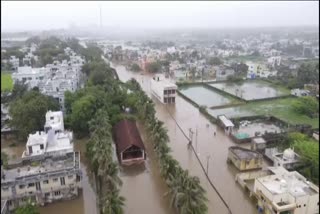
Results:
[100, 152]
[187, 195]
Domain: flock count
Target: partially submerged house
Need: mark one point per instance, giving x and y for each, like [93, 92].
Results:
[129, 145]
[244, 159]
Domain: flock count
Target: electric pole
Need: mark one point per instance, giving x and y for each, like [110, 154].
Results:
[208, 157]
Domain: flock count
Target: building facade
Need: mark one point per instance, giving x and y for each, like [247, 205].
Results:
[163, 89]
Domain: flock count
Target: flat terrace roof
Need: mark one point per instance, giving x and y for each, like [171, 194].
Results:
[46, 166]
[244, 154]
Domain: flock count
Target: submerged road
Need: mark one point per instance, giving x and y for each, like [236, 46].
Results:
[211, 150]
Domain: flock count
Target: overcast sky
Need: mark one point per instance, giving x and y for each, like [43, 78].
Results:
[41, 15]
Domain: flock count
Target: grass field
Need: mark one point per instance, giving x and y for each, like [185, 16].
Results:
[6, 82]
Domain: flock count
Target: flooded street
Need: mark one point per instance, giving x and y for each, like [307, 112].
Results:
[206, 145]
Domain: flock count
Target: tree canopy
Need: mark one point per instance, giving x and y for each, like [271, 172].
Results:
[28, 112]
[307, 105]
[214, 61]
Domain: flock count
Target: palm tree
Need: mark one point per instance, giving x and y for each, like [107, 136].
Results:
[113, 203]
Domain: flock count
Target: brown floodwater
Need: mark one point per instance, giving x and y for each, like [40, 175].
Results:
[206, 144]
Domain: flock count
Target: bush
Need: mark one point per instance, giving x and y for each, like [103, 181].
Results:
[306, 105]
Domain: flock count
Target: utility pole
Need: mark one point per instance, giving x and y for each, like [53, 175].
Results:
[208, 157]
[197, 140]
[190, 136]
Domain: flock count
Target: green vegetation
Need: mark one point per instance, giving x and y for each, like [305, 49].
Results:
[153, 67]
[283, 109]
[27, 209]
[99, 152]
[6, 82]
[307, 106]
[214, 61]
[187, 195]
[4, 159]
[308, 149]
[28, 112]
[135, 67]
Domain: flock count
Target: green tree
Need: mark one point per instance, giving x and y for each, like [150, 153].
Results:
[214, 61]
[307, 105]
[135, 67]
[308, 73]
[28, 112]
[153, 67]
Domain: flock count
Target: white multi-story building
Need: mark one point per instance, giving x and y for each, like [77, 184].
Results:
[274, 61]
[30, 76]
[14, 62]
[45, 180]
[163, 89]
[53, 141]
[286, 192]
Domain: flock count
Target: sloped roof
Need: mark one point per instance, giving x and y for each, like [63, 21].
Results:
[126, 134]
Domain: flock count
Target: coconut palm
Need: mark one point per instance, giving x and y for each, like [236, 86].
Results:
[113, 203]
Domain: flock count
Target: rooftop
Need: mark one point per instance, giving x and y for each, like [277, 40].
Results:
[284, 181]
[45, 166]
[127, 134]
[244, 154]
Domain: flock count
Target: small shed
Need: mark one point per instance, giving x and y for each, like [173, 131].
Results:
[258, 144]
[129, 145]
[226, 123]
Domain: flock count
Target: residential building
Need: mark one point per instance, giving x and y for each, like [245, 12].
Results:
[30, 76]
[274, 61]
[287, 159]
[244, 159]
[45, 180]
[163, 89]
[53, 141]
[14, 62]
[129, 145]
[286, 192]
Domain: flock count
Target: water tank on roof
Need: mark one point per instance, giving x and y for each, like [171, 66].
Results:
[288, 154]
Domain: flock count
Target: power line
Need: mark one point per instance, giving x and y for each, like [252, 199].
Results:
[203, 169]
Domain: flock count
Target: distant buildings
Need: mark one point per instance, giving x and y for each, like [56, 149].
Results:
[163, 89]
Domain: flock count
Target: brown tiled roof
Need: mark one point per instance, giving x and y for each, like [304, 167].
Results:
[126, 134]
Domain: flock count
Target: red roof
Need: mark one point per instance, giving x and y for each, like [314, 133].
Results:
[126, 134]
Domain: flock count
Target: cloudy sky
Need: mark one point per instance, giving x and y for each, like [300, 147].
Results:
[18, 16]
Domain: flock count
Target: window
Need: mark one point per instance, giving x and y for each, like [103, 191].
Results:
[41, 146]
[56, 193]
[5, 189]
[30, 185]
[9, 202]
[55, 179]
[21, 186]
[70, 176]
[165, 92]
[47, 194]
[62, 181]
[45, 181]
[173, 91]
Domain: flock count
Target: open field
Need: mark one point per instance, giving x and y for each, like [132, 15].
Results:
[252, 90]
[6, 82]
